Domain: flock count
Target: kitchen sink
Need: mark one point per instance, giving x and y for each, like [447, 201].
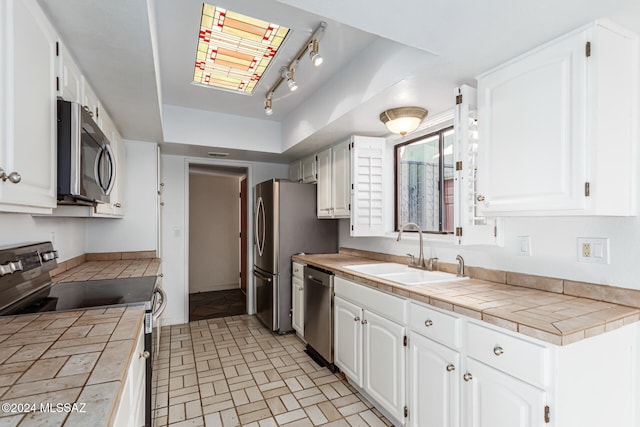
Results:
[380, 268]
[403, 274]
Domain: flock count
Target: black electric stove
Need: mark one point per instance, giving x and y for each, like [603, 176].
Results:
[26, 287]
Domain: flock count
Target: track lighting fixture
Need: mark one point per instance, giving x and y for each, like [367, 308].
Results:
[315, 57]
[268, 110]
[287, 73]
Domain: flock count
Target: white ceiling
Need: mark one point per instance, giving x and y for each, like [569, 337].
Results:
[451, 43]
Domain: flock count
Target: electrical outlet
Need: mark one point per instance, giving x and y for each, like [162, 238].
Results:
[586, 250]
[593, 250]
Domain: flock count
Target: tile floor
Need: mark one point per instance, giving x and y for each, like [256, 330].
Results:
[232, 371]
[209, 305]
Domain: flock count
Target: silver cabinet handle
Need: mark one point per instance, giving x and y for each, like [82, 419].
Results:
[428, 323]
[364, 322]
[356, 319]
[117, 205]
[498, 351]
[300, 288]
[145, 355]
[451, 367]
[467, 377]
[480, 198]
[13, 177]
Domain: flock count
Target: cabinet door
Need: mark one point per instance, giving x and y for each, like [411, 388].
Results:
[385, 363]
[341, 180]
[27, 108]
[531, 118]
[324, 206]
[69, 75]
[347, 342]
[309, 171]
[295, 171]
[434, 378]
[297, 316]
[495, 399]
[90, 102]
[367, 195]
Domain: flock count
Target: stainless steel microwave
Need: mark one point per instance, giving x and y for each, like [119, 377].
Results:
[86, 162]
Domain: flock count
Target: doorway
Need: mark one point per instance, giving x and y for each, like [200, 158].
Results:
[217, 254]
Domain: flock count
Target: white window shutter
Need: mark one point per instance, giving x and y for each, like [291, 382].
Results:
[470, 229]
[367, 191]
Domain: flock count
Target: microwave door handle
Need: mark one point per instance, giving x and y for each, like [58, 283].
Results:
[96, 169]
[112, 170]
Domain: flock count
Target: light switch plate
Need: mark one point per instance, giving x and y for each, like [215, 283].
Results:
[523, 246]
[593, 250]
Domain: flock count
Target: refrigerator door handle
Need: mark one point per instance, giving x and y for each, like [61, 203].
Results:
[262, 276]
[260, 213]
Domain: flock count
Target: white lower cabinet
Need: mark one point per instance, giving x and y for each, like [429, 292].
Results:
[131, 407]
[369, 345]
[384, 368]
[347, 343]
[496, 399]
[297, 298]
[434, 383]
[464, 372]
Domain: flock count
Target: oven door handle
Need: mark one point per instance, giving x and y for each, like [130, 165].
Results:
[163, 304]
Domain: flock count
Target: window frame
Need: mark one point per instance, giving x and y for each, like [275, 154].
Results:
[396, 182]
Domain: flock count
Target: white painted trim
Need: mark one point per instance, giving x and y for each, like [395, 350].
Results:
[226, 163]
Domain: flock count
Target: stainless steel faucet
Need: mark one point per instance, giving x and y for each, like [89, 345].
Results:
[421, 262]
[460, 270]
[421, 257]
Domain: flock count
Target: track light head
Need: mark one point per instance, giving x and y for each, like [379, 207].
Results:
[268, 110]
[288, 74]
[316, 58]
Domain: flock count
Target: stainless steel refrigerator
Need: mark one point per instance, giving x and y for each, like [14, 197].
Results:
[285, 224]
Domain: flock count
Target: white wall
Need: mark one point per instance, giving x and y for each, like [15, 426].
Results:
[137, 231]
[174, 227]
[214, 222]
[553, 243]
[198, 127]
[67, 234]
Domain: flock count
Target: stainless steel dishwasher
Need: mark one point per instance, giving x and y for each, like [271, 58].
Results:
[318, 315]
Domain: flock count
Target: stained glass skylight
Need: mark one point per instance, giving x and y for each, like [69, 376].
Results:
[234, 50]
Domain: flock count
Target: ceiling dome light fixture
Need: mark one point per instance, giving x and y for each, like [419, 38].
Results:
[315, 57]
[403, 120]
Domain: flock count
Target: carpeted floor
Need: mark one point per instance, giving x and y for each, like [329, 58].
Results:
[211, 305]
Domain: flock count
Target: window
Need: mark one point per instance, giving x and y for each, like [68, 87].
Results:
[424, 182]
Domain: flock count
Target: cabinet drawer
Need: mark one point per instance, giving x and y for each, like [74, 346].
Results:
[434, 324]
[521, 358]
[370, 299]
[297, 270]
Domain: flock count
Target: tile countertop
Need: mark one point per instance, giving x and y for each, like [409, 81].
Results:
[74, 357]
[553, 317]
[108, 269]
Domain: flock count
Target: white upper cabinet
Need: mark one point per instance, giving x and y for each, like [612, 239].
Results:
[557, 128]
[334, 181]
[27, 108]
[309, 170]
[367, 191]
[295, 171]
[69, 81]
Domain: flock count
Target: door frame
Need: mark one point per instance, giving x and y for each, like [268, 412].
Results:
[188, 161]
